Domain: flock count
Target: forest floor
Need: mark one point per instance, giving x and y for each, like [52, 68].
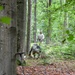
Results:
[42, 67]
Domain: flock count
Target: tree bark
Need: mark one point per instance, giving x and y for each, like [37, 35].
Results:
[21, 23]
[25, 24]
[34, 27]
[48, 37]
[28, 26]
[8, 40]
[65, 17]
[65, 24]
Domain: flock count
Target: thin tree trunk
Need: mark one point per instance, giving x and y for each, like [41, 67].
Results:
[65, 17]
[34, 27]
[28, 26]
[48, 37]
[65, 24]
[25, 24]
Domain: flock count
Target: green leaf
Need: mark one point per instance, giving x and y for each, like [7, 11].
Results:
[67, 31]
[1, 7]
[5, 19]
[70, 38]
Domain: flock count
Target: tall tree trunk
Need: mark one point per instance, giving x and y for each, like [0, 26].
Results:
[28, 26]
[65, 24]
[2, 46]
[13, 35]
[49, 26]
[8, 40]
[21, 25]
[25, 24]
[65, 17]
[34, 27]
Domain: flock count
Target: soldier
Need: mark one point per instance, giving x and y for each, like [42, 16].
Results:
[41, 37]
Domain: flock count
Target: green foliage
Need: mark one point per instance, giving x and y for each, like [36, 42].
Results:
[70, 38]
[59, 26]
[62, 51]
[1, 8]
[5, 19]
[70, 35]
[20, 63]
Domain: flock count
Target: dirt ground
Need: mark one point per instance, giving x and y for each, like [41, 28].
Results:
[35, 67]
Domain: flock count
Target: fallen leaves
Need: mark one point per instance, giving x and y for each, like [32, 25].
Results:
[62, 68]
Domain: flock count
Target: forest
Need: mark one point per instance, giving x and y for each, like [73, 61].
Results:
[37, 37]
